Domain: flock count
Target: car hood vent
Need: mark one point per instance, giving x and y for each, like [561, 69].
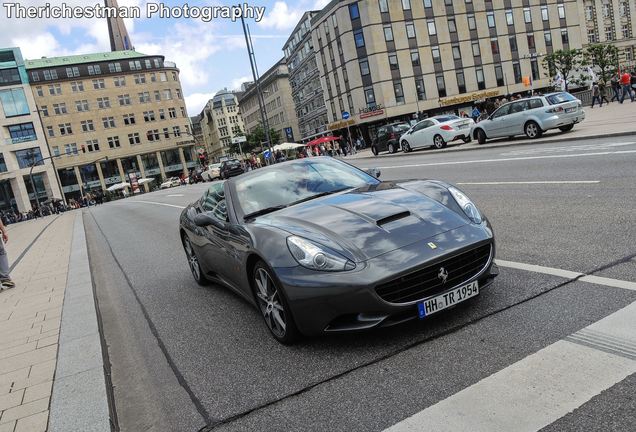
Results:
[393, 218]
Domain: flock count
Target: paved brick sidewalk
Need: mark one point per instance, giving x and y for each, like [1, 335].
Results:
[30, 321]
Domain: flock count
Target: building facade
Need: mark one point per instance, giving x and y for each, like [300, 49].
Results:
[305, 82]
[22, 141]
[110, 115]
[611, 21]
[221, 123]
[279, 105]
[383, 60]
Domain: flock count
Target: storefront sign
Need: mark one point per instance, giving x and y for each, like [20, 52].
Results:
[341, 124]
[173, 168]
[179, 143]
[153, 171]
[112, 180]
[371, 113]
[468, 98]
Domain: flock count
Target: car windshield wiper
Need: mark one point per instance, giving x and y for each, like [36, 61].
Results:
[264, 211]
[321, 194]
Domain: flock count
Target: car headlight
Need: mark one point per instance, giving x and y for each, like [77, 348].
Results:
[466, 204]
[317, 257]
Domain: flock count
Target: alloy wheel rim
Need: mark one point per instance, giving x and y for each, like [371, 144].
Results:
[438, 141]
[391, 148]
[532, 130]
[270, 303]
[193, 262]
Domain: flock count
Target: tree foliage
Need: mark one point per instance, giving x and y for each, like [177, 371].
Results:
[603, 58]
[255, 140]
[568, 63]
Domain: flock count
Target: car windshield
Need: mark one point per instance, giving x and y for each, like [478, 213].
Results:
[286, 184]
[558, 98]
[233, 164]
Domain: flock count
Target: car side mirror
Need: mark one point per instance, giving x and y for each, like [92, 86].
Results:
[204, 219]
[375, 172]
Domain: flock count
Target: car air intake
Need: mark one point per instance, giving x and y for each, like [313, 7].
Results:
[393, 218]
[425, 282]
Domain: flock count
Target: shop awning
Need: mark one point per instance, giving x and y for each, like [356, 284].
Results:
[322, 140]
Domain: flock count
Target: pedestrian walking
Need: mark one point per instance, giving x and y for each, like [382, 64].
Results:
[596, 94]
[616, 87]
[5, 279]
[603, 90]
[626, 85]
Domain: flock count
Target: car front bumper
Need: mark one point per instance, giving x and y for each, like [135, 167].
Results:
[347, 301]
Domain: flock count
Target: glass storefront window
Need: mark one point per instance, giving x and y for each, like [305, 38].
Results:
[110, 171]
[28, 157]
[14, 102]
[38, 179]
[7, 199]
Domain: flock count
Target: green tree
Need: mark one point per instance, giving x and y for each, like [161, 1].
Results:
[255, 138]
[604, 59]
[567, 63]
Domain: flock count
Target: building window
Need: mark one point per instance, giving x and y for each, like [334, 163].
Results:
[350, 103]
[410, 30]
[92, 145]
[510, 20]
[65, 129]
[461, 82]
[99, 84]
[591, 36]
[452, 27]
[516, 71]
[87, 126]
[354, 13]
[114, 67]
[609, 33]
[626, 31]
[428, 3]
[124, 99]
[544, 13]
[144, 97]
[167, 95]
[103, 102]
[393, 62]
[133, 138]
[561, 10]
[22, 133]
[406, 4]
[113, 142]
[607, 10]
[589, 13]
[565, 39]
[50, 74]
[359, 38]
[60, 109]
[72, 72]
[479, 75]
[384, 7]
[364, 67]
[457, 54]
[388, 35]
[472, 24]
[140, 78]
[548, 38]
[55, 89]
[94, 70]
[399, 93]
[14, 102]
[499, 75]
[43, 109]
[432, 31]
[134, 65]
[534, 65]
[476, 50]
[149, 116]
[70, 149]
[531, 44]
[35, 76]
[369, 96]
[527, 15]
[172, 112]
[513, 43]
[81, 105]
[441, 85]
[436, 55]
[77, 86]
[108, 122]
[415, 58]
[490, 17]
[176, 130]
[494, 46]
[50, 131]
[29, 157]
[129, 119]
[39, 91]
[419, 88]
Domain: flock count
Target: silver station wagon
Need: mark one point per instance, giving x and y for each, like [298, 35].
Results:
[531, 116]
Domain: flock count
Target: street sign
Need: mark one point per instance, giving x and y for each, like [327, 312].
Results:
[239, 139]
[345, 115]
[289, 133]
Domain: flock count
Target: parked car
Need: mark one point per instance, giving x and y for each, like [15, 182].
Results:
[388, 137]
[319, 246]
[437, 132]
[213, 172]
[230, 168]
[171, 182]
[196, 176]
[531, 116]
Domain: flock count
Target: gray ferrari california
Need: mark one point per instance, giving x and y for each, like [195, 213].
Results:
[320, 246]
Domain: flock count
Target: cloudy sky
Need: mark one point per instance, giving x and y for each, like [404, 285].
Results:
[210, 55]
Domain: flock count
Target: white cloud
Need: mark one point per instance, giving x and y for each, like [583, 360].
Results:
[236, 82]
[319, 4]
[196, 101]
[281, 17]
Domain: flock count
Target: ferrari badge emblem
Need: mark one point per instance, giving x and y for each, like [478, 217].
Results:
[442, 275]
[432, 245]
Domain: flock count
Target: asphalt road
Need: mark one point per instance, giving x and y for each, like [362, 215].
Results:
[186, 358]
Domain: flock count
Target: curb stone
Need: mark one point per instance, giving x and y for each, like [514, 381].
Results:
[80, 399]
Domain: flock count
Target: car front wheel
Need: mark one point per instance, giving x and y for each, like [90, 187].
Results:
[193, 261]
[533, 130]
[273, 305]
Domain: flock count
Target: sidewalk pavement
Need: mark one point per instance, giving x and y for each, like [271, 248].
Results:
[32, 325]
[608, 121]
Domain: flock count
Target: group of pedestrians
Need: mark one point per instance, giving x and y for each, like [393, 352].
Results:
[623, 85]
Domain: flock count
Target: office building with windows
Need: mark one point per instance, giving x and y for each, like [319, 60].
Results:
[384, 60]
[22, 141]
[221, 123]
[304, 79]
[611, 21]
[110, 115]
[279, 104]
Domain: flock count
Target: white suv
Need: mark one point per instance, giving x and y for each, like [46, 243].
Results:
[531, 116]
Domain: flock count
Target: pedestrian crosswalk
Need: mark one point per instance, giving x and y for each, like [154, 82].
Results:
[541, 388]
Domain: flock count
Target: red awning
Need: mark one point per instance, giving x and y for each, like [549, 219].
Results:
[322, 140]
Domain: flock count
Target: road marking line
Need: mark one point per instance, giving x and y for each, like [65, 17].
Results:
[506, 159]
[533, 182]
[175, 195]
[158, 203]
[541, 388]
[597, 280]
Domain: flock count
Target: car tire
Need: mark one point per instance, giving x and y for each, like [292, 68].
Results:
[566, 128]
[406, 147]
[532, 130]
[391, 148]
[481, 136]
[467, 139]
[193, 261]
[273, 305]
[438, 142]
[374, 150]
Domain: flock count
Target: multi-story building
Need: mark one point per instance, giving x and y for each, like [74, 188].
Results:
[222, 122]
[384, 60]
[111, 114]
[304, 78]
[610, 21]
[279, 105]
[22, 141]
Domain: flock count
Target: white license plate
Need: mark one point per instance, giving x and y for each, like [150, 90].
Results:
[446, 300]
[569, 110]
